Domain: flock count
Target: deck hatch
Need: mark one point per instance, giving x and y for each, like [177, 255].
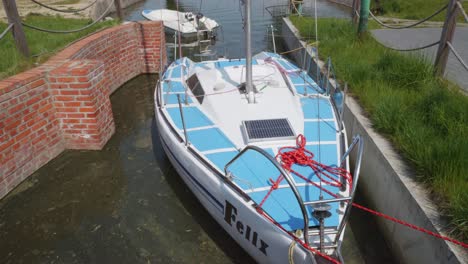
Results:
[267, 129]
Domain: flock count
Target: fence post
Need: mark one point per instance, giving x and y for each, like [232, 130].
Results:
[118, 9]
[447, 35]
[17, 30]
[363, 16]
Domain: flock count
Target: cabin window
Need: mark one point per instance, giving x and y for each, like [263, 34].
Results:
[194, 84]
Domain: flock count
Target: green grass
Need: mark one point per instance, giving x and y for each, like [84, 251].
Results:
[412, 9]
[42, 45]
[425, 117]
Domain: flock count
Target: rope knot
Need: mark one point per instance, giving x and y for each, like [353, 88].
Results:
[274, 184]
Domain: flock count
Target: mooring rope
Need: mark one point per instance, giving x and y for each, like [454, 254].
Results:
[73, 30]
[65, 10]
[299, 155]
[409, 26]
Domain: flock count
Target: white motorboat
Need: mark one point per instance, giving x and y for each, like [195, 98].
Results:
[187, 23]
[264, 149]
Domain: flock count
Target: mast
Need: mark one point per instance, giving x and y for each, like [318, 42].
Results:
[248, 55]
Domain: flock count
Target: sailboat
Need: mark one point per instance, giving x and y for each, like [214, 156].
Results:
[264, 149]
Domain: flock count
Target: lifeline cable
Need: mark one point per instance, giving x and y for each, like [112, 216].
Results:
[412, 49]
[10, 26]
[457, 55]
[65, 10]
[409, 26]
[463, 11]
[70, 31]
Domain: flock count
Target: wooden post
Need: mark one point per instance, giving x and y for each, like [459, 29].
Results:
[447, 35]
[17, 30]
[118, 9]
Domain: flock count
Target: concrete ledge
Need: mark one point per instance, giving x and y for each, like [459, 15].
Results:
[389, 185]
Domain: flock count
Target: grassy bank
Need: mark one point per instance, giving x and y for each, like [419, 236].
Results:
[411, 9]
[42, 45]
[425, 118]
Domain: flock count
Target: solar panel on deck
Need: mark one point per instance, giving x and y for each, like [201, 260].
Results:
[265, 129]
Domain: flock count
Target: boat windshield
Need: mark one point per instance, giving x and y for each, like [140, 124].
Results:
[194, 84]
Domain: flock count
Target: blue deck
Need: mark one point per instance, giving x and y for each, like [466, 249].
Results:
[252, 172]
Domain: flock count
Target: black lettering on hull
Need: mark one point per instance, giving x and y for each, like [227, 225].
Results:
[230, 216]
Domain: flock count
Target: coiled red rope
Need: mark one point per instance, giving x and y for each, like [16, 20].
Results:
[299, 155]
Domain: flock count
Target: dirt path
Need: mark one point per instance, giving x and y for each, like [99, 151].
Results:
[26, 7]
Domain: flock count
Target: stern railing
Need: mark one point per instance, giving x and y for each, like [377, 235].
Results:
[357, 141]
[284, 174]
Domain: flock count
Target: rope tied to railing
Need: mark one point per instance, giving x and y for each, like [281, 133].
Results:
[65, 10]
[299, 155]
[303, 160]
[73, 30]
[10, 26]
[408, 26]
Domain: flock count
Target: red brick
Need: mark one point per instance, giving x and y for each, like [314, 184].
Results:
[80, 85]
[6, 145]
[16, 108]
[12, 125]
[72, 104]
[75, 115]
[65, 79]
[87, 110]
[23, 135]
[69, 92]
[65, 98]
[32, 101]
[45, 108]
[71, 121]
[39, 125]
[36, 83]
[39, 138]
[67, 109]
[58, 85]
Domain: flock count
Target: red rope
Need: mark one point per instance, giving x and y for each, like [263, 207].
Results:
[298, 240]
[410, 225]
[301, 156]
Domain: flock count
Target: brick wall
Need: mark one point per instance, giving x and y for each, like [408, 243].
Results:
[64, 103]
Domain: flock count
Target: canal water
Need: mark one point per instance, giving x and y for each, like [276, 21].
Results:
[125, 203]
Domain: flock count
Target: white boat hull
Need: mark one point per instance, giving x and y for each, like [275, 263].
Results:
[177, 21]
[265, 242]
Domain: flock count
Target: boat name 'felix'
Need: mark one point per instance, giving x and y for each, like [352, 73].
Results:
[230, 216]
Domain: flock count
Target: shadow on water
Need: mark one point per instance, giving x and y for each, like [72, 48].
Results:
[193, 206]
[123, 204]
